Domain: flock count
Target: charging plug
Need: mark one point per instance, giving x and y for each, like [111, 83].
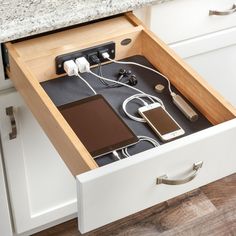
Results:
[70, 68]
[105, 55]
[94, 58]
[82, 64]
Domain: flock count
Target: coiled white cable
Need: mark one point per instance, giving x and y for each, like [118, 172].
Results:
[138, 96]
[125, 152]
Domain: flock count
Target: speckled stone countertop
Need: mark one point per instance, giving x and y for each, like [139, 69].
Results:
[21, 18]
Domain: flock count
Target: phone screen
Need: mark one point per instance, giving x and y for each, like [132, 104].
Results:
[160, 119]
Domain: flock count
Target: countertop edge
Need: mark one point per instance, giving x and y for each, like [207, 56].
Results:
[49, 21]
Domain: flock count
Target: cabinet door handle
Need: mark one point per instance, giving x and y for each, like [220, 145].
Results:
[223, 13]
[164, 178]
[10, 113]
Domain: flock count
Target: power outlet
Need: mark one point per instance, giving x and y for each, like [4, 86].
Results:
[87, 53]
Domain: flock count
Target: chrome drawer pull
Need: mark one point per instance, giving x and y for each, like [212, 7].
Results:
[10, 113]
[164, 178]
[223, 13]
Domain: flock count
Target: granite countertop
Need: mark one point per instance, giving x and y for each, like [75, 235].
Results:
[21, 18]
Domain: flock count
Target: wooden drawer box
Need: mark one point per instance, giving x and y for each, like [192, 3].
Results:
[114, 191]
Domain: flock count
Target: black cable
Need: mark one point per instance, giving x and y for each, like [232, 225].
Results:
[108, 85]
[96, 60]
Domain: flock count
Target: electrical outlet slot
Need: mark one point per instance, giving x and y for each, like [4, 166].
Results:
[87, 53]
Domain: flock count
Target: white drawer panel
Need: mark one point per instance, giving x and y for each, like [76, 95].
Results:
[125, 187]
[206, 44]
[5, 222]
[220, 72]
[183, 19]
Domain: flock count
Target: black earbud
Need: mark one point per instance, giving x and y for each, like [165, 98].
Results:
[132, 80]
[123, 72]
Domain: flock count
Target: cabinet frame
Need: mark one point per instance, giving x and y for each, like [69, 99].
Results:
[26, 73]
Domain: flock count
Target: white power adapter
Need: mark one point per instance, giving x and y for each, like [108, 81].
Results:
[70, 68]
[82, 64]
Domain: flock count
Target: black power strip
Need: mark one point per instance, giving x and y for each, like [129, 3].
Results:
[87, 53]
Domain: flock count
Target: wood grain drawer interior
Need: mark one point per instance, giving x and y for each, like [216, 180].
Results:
[33, 61]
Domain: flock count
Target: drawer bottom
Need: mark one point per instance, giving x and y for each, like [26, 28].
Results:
[68, 89]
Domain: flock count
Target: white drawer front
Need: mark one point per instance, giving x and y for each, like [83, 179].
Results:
[220, 73]
[183, 19]
[112, 192]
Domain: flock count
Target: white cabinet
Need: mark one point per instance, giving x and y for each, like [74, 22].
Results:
[218, 68]
[179, 20]
[5, 222]
[42, 190]
[213, 57]
[206, 42]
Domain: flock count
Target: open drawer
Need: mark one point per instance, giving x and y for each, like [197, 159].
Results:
[122, 188]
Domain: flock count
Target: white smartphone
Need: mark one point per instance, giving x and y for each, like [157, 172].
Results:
[161, 121]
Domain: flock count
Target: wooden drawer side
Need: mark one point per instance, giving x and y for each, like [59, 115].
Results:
[41, 52]
[48, 62]
[211, 104]
[208, 101]
[72, 151]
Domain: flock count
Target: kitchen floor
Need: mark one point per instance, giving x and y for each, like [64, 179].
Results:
[209, 210]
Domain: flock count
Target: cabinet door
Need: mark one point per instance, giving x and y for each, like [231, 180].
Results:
[175, 21]
[5, 222]
[42, 190]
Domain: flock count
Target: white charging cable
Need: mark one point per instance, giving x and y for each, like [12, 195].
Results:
[139, 96]
[152, 98]
[84, 66]
[120, 83]
[125, 152]
[72, 69]
[107, 56]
